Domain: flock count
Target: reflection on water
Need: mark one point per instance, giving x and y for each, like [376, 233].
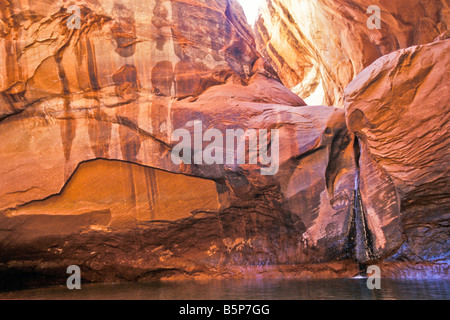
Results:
[342, 289]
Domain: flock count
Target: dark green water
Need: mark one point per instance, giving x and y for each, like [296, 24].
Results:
[344, 289]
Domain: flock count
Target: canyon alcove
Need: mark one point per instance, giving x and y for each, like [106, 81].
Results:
[88, 112]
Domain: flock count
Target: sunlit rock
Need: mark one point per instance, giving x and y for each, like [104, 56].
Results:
[319, 46]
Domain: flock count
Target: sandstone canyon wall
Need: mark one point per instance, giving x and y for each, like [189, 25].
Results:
[87, 175]
[319, 47]
[399, 110]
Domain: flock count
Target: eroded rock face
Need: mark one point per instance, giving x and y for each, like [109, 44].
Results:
[318, 47]
[399, 110]
[183, 49]
[87, 174]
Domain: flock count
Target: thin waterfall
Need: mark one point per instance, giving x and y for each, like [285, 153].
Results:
[360, 241]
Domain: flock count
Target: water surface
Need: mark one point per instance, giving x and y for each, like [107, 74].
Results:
[342, 289]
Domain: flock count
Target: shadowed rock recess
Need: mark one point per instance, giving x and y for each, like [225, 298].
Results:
[87, 178]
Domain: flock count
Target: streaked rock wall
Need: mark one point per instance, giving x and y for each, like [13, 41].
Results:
[319, 46]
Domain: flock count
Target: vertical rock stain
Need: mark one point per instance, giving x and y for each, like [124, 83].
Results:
[69, 125]
[99, 130]
[152, 189]
[92, 66]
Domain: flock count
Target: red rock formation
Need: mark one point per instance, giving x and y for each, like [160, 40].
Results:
[399, 110]
[318, 47]
[86, 169]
